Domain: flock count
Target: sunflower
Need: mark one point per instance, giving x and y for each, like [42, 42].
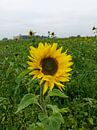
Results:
[50, 65]
[30, 33]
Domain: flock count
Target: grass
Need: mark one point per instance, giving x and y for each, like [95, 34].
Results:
[81, 90]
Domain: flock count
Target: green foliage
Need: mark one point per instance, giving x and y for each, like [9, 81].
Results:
[2, 99]
[57, 93]
[37, 126]
[21, 76]
[77, 106]
[52, 122]
[27, 100]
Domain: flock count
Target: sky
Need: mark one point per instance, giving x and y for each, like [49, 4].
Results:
[64, 17]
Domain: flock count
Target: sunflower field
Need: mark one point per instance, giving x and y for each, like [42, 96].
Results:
[73, 108]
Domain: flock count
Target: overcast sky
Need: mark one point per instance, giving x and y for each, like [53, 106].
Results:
[64, 17]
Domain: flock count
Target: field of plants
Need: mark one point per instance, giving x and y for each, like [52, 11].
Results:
[73, 109]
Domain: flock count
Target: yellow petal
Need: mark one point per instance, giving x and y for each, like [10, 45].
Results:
[51, 85]
[40, 45]
[53, 49]
[60, 86]
[45, 87]
[32, 48]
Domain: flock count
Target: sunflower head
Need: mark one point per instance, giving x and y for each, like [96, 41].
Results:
[30, 33]
[49, 64]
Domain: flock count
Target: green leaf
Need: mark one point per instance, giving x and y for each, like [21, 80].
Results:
[89, 99]
[64, 110]
[82, 128]
[58, 117]
[95, 128]
[21, 76]
[31, 126]
[90, 120]
[9, 70]
[37, 126]
[2, 99]
[27, 100]
[58, 93]
[54, 108]
[42, 116]
[11, 128]
[53, 122]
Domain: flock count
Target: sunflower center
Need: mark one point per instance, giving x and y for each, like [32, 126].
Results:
[49, 66]
[30, 33]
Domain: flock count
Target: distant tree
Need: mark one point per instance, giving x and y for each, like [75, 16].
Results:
[17, 37]
[5, 39]
[78, 36]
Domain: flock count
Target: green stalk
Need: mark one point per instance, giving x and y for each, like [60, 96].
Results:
[42, 101]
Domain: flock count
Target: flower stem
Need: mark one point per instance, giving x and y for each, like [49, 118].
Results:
[42, 101]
